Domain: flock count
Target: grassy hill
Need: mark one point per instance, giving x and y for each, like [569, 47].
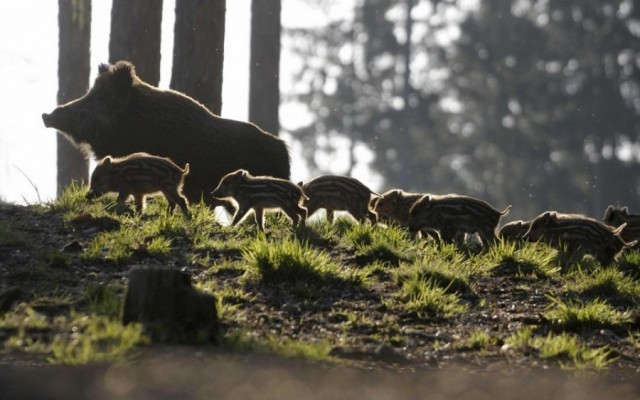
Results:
[342, 293]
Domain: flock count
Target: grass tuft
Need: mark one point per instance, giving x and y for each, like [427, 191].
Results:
[477, 340]
[72, 200]
[103, 299]
[565, 348]
[523, 259]
[95, 339]
[372, 243]
[294, 264]
[605, 282]
[629, 263]
[453, 278]
[283, 347]
[575, 316]
[429, 299]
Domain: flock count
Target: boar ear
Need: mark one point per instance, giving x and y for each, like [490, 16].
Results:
[123, 73]
[625, 211]
[608, 212]
[426, 199]
[107, 161]
[395, 195]
[549, 215]
[244, 173]
[102, 68]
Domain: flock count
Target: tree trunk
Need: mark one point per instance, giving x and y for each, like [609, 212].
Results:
[264, 70]
[406, 53]
[198, 51]
[74, 19]
[135, 36]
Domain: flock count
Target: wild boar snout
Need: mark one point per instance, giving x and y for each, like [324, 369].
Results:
[46, 118]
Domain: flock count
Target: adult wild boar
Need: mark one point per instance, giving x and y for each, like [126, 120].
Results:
[121, 115]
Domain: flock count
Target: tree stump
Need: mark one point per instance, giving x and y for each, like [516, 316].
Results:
[169, 308]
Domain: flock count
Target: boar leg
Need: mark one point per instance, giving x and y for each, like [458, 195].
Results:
[604, 258]
[293, 215]
[364, 213]
[433, 233]
[183, 204]
[121, 202]
[373, 217]
[240, 213]
[259, 217]
[356, 213]
[175, 199]
[312, 207]
[330, 215]
[297, 214]
[172, 204]
[488, 237]
[303, 214]
[139, 200]
[447, 235]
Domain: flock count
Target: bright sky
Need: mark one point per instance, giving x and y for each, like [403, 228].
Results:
[28, 78]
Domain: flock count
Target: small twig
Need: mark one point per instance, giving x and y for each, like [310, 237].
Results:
[33, 185]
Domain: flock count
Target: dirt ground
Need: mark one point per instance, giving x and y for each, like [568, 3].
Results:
[189, 373]
[378, 363]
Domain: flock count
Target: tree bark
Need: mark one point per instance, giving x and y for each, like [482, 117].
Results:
[198, 51]
[264, 70]
[74, 19]
[135, 36]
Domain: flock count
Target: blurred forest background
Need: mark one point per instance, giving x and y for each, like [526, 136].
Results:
[534, 103]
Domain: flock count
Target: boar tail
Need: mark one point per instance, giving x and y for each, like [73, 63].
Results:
[506, 210]
[619, 229]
